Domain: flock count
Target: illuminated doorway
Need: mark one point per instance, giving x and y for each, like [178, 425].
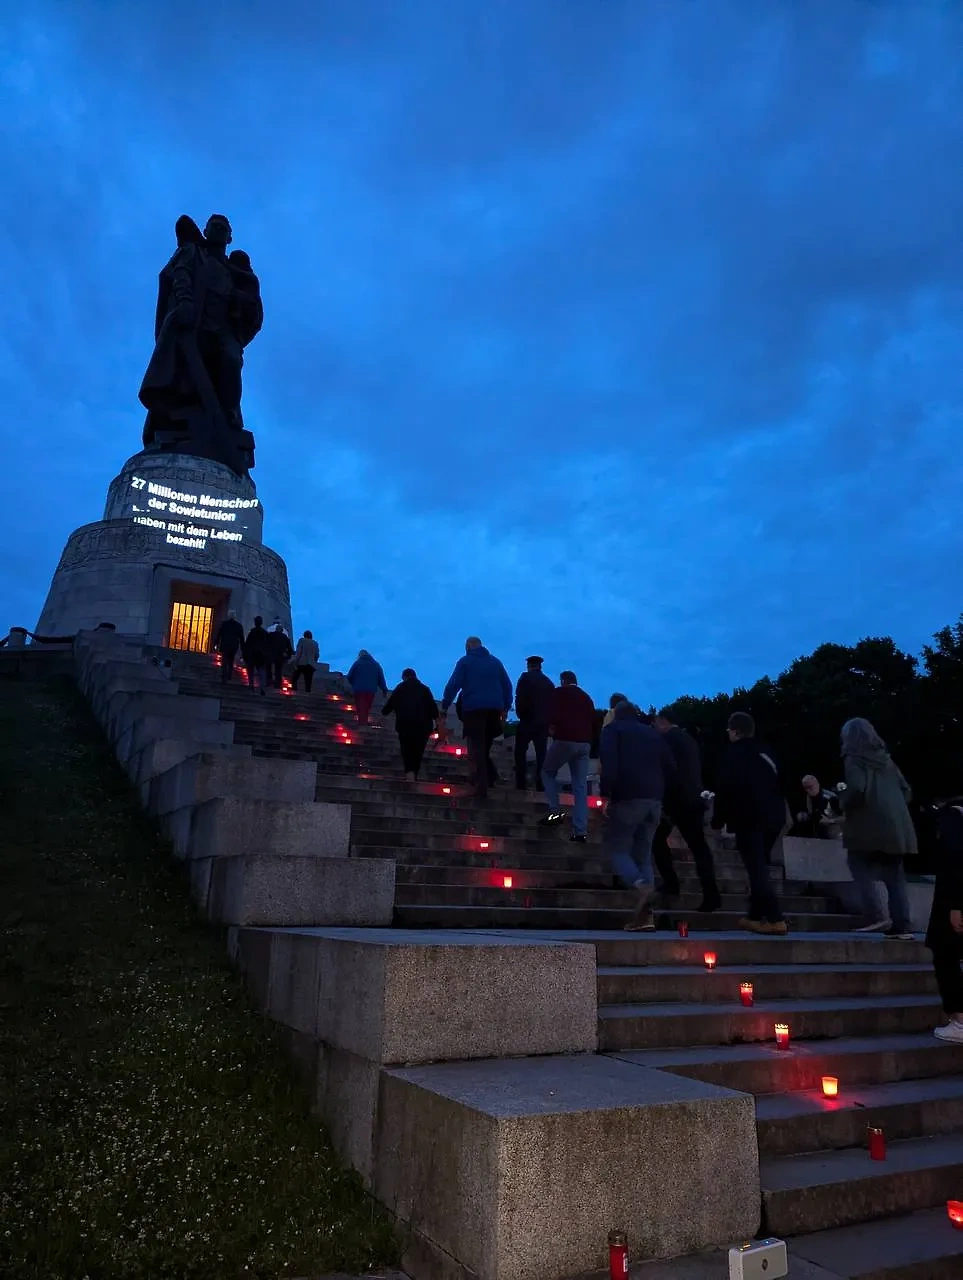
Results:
[191, 627]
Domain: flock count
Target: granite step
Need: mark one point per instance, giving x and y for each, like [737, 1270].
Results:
[855, 1061]
[770, 982]
[916, 1246]
[789, 1123]
[737, 949]
[558, 921]
[491, 889]
[810, 1192]
[657, 1026]
[594, 866]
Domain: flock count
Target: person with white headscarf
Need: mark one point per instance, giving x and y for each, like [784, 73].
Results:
[877, 828]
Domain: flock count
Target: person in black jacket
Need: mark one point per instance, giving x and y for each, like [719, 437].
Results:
[280, 650]
[415, 712]
[944, 936]
[533, 700]
[230, 638]
[749, 801]
[684, 808]
[257, 654]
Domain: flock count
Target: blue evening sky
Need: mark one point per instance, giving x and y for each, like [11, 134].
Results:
[624, 331]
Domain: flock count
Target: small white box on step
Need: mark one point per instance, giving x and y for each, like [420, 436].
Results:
[758, 1260]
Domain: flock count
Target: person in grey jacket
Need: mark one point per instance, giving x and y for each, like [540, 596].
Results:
[877, 828]
[306, 657]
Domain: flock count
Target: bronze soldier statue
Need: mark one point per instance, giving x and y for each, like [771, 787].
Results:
[208, 310]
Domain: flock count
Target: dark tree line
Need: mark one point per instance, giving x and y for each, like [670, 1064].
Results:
[916, 705]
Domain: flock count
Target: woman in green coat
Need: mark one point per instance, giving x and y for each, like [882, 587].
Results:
[877, 828]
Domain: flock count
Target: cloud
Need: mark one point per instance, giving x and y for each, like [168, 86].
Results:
[621, 334]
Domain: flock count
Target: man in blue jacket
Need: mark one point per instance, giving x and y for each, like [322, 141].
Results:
[635, 765]
[486, 698]
[365, 678]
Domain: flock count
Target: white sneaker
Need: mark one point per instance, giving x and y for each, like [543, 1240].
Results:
[879, 927]
[953, 1032]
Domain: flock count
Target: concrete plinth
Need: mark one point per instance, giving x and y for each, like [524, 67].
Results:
[542, 1156]
[266, 889]
[174, 526]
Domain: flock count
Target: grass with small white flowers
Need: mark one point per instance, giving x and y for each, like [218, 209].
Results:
[150, 1124]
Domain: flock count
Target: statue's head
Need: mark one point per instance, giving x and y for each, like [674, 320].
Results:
[218, 231]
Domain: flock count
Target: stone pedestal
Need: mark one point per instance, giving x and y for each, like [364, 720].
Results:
[175, 527]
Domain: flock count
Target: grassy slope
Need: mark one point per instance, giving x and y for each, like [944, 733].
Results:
[150, 1124]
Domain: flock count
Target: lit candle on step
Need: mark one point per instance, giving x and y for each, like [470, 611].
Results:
[446, 791]
[830, 1087]
[458, 751]
[782, 1035]
[683, 929]
[710, 959]
[877, 1143]
[302, 716]
[745, 993]
[507, 882]
[954, 1211]
[483, 844]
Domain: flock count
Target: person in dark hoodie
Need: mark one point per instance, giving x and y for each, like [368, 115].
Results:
[684, 808]
[415, 712]
[230, 639]
[878, 830]
[749, 801]
[533, 699]
[486, 698]
[944, 936]
[257, 654]
[635, 764]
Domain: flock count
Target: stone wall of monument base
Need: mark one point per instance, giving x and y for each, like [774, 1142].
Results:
[115, 571]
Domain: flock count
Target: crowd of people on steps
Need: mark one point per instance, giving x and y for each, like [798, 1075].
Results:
[650, 778]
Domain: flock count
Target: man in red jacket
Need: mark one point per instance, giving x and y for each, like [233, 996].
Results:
[572, 726]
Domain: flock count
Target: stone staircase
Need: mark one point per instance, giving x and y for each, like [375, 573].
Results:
[511, 1073]
[460, 862]
[860, 1009]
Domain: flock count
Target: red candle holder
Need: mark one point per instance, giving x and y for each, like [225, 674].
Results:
[830, 1087]
[507, 882]
[710, 960]
[877, 1143]
[954, 1211]
[683, 929]
[446, 791]
[618, 1255]
[745, 993]
[484, 844]
[782, 1035]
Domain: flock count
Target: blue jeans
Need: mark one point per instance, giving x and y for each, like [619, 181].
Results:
[867, 868]
[576, 756]
[630, 826]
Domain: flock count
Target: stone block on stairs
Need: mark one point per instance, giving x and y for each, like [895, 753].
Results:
[542, 1156]
[230, 825]
[142, 732]
[127, 709]
[302, 828]
[163, 754]
[175, 794]
[276, 890]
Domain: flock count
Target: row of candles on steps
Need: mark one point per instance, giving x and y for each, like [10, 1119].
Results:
[830, 1084]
